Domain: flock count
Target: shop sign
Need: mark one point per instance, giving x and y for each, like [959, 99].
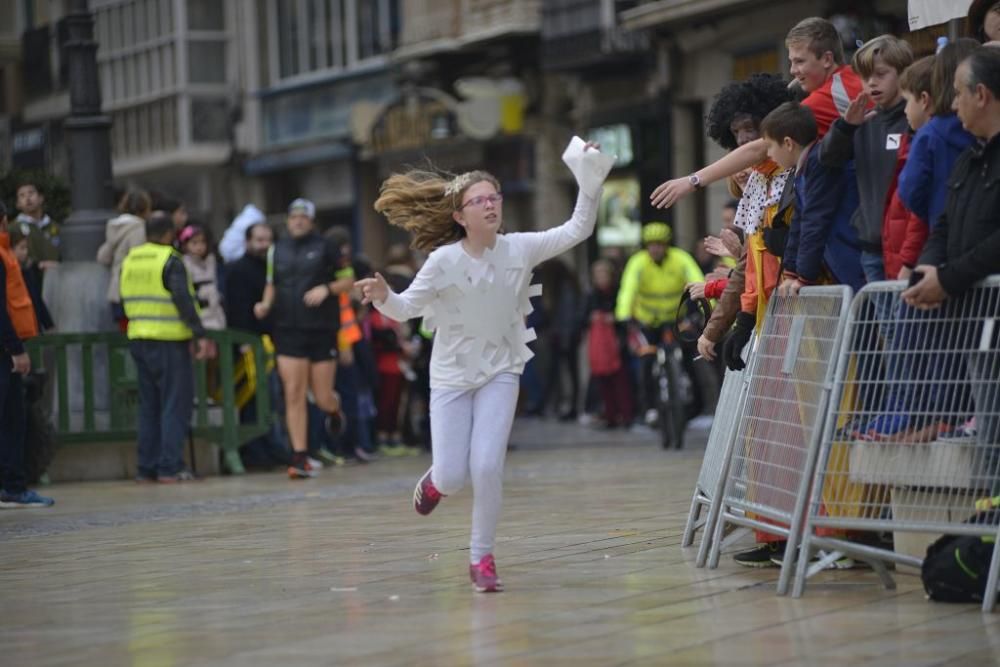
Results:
[411, 123]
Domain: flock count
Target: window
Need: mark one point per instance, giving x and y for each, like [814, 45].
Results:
[209, 120]
[206, 15]
[206, 62]
[317, 35]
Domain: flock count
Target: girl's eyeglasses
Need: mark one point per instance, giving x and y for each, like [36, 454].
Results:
[480, 201]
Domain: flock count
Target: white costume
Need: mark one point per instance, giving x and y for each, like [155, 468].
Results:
[477, 307]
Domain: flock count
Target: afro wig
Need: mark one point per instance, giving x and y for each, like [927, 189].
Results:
[756, 96]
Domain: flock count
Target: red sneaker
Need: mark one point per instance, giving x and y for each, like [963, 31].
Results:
[426, 496]
[484, 575]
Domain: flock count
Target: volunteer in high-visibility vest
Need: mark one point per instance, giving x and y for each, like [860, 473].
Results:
[17, 324]
[301, 295]
[651, 288]
[163, 319]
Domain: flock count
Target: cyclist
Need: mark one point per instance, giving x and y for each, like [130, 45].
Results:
[651, 288]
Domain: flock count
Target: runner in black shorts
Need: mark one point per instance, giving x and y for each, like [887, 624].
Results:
[301, 291]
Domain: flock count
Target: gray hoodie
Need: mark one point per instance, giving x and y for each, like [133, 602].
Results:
[121, 235]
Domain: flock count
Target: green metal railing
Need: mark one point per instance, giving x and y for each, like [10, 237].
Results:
[86, 425]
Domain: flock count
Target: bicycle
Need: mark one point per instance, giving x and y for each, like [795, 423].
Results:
[675, 398]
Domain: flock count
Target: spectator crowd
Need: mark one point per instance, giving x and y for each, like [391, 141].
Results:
[884, 166]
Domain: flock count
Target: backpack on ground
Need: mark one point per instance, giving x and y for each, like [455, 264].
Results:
[956, 566]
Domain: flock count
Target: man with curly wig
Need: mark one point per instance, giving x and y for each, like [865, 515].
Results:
[733, 121]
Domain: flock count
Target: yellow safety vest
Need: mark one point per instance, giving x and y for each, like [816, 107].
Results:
[651, 292]
[149, 307]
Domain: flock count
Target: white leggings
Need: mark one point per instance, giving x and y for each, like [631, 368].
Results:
[469, 433]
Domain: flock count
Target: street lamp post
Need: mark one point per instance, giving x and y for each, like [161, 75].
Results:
[88, 134]
[76, 289]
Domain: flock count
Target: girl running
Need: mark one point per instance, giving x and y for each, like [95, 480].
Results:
[473, 290]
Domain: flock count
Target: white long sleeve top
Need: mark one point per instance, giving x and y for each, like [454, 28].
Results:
[477, 306]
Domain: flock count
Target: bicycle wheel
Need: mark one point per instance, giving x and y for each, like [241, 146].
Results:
[674, 413]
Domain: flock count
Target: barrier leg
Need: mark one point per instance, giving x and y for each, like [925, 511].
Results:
[993, 580]
[802, 568]
[693, 515]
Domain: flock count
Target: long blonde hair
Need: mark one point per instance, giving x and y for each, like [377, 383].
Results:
[422, 203]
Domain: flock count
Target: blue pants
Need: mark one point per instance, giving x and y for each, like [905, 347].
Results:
[166, 401]
[13, 417]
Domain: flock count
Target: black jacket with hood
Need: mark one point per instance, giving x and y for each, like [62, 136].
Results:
[965, 245]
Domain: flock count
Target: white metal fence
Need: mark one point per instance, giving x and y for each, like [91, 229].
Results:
[724, 424]
[911, 441]
[773, 451]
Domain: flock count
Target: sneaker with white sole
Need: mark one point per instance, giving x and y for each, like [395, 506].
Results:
[484, 575]
[426, 496]
[762, 555]
[24, 500]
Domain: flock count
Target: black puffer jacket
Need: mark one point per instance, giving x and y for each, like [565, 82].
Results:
[966, 243]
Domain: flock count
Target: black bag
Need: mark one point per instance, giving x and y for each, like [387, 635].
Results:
[957, 566]
[776, 237]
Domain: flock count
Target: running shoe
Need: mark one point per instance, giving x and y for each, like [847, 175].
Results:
[328, 458]
[24, 500]
[484, 575]
[177, 478]
[426, 496]
[300, 467]
[761, 555]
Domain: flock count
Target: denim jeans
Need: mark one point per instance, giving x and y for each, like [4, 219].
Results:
[13, 417]
[166, 401]
[873, 266]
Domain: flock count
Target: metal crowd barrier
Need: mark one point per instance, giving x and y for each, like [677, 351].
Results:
[773, 452]
[96, 390]
[713, 465]
[912, 438]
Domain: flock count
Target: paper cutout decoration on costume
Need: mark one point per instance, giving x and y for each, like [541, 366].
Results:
[486, 312]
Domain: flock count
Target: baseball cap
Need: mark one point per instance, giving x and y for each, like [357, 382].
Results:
[302, 205]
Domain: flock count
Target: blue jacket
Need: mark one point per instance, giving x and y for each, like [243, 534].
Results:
[822, 239]
[933, 153]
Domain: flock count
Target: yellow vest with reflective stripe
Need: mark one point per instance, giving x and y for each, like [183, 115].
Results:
[149, 307]
[651, 292]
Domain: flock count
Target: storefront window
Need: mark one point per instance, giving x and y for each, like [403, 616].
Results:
[619, 219]
[615, 140]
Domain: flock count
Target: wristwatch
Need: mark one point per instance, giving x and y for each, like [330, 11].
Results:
[695, 181]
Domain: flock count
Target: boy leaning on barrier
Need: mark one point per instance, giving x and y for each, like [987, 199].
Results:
[17, 324]
[964, 246]
[822, 244]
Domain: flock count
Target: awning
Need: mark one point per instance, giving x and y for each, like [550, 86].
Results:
[665, 12]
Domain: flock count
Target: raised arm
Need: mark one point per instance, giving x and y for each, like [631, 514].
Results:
[747, 155]
[540, 246]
